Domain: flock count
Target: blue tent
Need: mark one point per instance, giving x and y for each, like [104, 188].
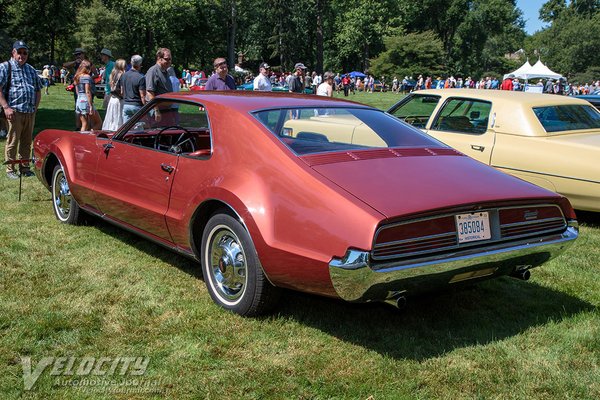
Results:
[356, 74]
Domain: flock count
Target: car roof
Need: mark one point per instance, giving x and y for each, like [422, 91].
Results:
[246, 101]
[529, 99]
[512, 111]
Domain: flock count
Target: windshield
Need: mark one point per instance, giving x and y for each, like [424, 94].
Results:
[567, 118]
[315, 130]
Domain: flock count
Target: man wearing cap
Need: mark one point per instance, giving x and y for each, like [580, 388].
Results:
[109, 64]
[20, 103]
[220, 80]
[296, 83]
[262, 82]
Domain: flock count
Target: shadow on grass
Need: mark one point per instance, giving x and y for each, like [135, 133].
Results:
[54, 119]
[429, 326]
[589, 218]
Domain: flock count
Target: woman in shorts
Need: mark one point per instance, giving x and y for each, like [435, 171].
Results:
[84, 105]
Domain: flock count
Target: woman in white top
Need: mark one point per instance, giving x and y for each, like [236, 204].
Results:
[114, 110]
[326, 88]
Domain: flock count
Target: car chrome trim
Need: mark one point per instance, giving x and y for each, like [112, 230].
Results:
[355, 278]
[497, 236]
[544, 174]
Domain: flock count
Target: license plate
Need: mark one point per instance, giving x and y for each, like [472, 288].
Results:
[473, 227]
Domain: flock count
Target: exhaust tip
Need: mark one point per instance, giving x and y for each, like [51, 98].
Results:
[524, 275]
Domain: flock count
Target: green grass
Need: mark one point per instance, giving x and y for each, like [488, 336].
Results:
[99, 291]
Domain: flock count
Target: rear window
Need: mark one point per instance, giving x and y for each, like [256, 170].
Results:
[315, 130]
[567, 117]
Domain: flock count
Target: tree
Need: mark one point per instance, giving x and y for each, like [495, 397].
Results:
[552, 9]
[410, 54]
[96, 29]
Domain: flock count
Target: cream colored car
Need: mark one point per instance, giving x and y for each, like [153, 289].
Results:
[549, 140]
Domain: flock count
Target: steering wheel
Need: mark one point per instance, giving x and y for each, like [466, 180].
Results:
[184, 140]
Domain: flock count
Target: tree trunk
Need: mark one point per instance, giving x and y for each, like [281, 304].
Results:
[231, 39]
[319, 66]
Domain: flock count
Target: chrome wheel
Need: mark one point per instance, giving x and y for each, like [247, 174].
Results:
[227, 264]
[65, 206]
[232, 271]
[61, 196]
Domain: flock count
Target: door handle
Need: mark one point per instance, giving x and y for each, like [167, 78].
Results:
[477, 147]
[167, 168]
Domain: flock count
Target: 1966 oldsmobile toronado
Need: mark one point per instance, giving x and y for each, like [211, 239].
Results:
[270, 191]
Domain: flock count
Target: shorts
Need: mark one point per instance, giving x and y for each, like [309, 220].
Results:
[82, 105]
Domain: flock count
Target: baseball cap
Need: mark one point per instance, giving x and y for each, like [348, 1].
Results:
[78, 50]
[106, 52]
[264, 65]
[299, 65]
[19, 44]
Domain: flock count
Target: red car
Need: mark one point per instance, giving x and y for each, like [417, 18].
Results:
[271, 190]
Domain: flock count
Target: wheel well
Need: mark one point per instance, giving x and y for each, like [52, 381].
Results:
[201, 217]
[51, 162]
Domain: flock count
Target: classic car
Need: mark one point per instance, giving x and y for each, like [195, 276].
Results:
[594, 99]
[549, 140]
[199, 84]
[276, 87]
[270, 191]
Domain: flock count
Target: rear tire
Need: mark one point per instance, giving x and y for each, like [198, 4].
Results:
[65, 206]
[231, 269]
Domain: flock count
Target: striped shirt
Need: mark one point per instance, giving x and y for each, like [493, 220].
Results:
[23, 87]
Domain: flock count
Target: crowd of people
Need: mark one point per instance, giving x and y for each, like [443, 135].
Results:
[127, 89]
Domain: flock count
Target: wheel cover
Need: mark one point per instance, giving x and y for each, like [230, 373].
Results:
[61, 195]
[227, 265]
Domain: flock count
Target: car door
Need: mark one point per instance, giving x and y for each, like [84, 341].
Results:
[416, 109]
[464, 123]
[134, 177]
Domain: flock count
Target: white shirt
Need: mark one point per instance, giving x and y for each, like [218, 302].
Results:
[322, 90]
[262, 83]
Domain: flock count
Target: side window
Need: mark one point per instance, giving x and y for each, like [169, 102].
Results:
[417, 110]
[464, 116]
[177, 127]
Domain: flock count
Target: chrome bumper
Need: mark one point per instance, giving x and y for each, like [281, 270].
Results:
[355, 279]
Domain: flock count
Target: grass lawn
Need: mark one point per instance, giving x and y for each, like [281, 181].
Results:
[98, 291]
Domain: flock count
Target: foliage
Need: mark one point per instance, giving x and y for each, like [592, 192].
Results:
[410, 55]
[96, 29]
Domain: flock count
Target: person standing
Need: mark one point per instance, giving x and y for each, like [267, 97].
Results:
[157, 78]
[20, 103]
[114, 110]
[262, 82]
[220, 80]
[46, 78]
[133, 88]
[109, 64]
[346, 84]
[326, 88]
[84, 107]
[296, 82]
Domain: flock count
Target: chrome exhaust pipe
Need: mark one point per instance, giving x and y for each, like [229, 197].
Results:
[397, 302]
[523, 274]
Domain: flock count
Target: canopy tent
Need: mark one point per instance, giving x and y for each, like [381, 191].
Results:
[356, 74]
[519, 71]
[538, 70]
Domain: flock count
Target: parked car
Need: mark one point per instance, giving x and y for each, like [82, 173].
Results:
[551, 141]
[276, 87]
[594, 99]
[99, 87]
[200, 84]
[314, 194]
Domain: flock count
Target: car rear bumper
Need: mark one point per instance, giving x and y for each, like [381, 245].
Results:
[356, 279]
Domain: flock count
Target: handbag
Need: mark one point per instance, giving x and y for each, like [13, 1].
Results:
[6, 89]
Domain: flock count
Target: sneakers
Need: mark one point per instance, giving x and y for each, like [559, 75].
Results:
[27, 174]
[12, 175]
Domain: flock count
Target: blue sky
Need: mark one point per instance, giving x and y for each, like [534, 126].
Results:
[531, 12]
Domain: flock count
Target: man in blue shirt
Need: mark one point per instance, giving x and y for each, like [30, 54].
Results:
[220, 80]
[20, 103]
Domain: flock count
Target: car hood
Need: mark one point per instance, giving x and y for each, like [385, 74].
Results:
[397, 186]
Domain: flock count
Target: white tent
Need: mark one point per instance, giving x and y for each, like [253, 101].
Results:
[520, 71]
[538, 70]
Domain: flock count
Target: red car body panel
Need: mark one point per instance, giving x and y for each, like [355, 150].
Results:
[299, 216]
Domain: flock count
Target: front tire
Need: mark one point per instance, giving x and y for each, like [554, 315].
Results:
[231, 269]
[65, 206]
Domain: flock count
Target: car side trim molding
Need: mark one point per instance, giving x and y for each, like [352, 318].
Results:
[545, 174]
[355, 280]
